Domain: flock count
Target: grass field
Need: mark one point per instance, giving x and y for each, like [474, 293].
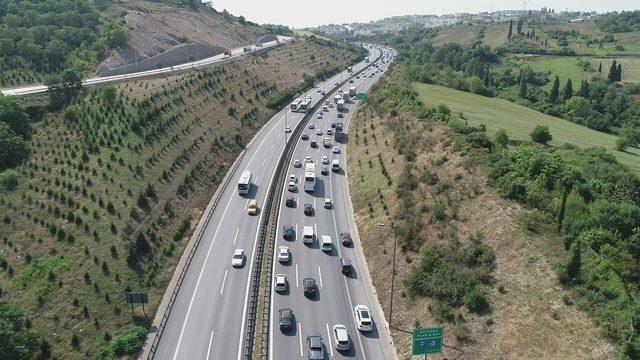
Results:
[630, 67]
[518, 121]
[562, 66]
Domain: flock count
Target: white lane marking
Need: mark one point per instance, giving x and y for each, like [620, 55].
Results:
[236, 237]
[263, 161]
[296, 237]
[193, 296]
[320, 275]
[246, 204]
[275, 125]
[300, 337]
[224, 279]
[209, 348]
[297, 202]
[297, 285]
[314, 203]
[330, 342]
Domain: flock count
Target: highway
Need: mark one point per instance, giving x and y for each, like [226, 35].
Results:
[337, 293]
[209, 315]
[237, 52]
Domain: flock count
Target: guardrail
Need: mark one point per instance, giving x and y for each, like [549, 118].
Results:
[194, 248]
[268, 230]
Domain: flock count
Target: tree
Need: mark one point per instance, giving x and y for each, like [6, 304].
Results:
[12, 148]
[13, 114]
[622, 143]
[541, 135]
[63, 87]
[501, 138]
[17, 341]
[600, 67]
[575, 261]
[567, 92]
[108, 94]
[519, 27]
[523, 87]
[555, 89]
[510, 30]
[584, 89]
[619, 72]
[613, 71]
[567, 181]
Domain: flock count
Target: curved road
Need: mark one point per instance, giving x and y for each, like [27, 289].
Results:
[208, 318]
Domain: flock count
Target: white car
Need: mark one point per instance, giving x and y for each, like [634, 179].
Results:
[364, 322]
[283, 254]
[311, 126]
[319, 132]
[341, 336]
[297, 163]
[327, 203]
[319, 116]
[238, 258]
[292, 186]
[293, 178]
[336, 150]
[287, 129]
[280, 284]
[325, 160]
[330, 105]
[307, 159]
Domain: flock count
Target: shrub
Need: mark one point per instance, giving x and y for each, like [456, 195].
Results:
[501, 138]
[9, 180]
[541, 135]
[181, 229]
[476, 301]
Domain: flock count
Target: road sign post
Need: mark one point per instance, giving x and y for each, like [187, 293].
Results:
[427, 340]
[362, 96]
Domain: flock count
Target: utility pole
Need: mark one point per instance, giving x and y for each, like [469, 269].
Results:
[393, 272]
[124, 60]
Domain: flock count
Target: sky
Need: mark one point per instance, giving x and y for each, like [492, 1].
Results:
[306, 13]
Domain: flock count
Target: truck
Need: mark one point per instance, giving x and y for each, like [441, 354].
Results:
[340, 105]
[366, 59]
[227, 53]
[345, 96]
[326, 142]
[337, 98]
[352, 91]
[349, 69]
[310, 177]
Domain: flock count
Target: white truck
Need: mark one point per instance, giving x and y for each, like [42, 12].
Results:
[352, 91]
[337, 98]
[340, 105]
[310, 177]
[345, 96]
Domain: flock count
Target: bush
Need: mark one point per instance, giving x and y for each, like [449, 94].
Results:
[9, 180]
[476, 301]
[622, 143]
[541, 135]
[182, 228]
[501, 138]
[479, 140]
[18, 341]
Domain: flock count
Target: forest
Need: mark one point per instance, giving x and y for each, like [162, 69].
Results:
[624, 21]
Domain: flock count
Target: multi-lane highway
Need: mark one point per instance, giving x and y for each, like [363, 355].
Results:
[209, 314]
[338, 294]
[35, 89]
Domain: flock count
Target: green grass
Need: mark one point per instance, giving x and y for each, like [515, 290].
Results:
[630, 67]
[562, 66]
[518, 121]
[305, 33]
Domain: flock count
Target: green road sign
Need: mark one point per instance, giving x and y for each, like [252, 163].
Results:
[427, 340]
[362, 96]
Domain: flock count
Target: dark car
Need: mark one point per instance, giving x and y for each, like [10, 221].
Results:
[290, 201]
[345, 239]
[340, 115]
[308, 209]
[310, 287]
[286, 319]
[316, 349]
[351, 81]
[305, 136]
[324, 170]
[345, 266]
[288, 233]
[339, 126]
[333, 125]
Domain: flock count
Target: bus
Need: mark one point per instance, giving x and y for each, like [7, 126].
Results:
[310, 177]
[245, 182]
[295, 105]
[305, 105]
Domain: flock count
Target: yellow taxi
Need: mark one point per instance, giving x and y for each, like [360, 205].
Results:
[252, 208]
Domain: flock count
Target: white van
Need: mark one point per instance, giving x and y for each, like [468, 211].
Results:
[335, 165]
[307, 234]
[325, 243]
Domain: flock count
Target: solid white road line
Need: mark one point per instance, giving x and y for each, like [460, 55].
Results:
[297, 285]
[224, 279]
[209, 348]
[320, 275]
[300, 337]
[329, 345]
[296, 237]
[236, 237]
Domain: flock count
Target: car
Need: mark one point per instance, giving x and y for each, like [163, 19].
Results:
[335, 83]
[326, 244]
[341, 336]
[358, 77]
[283, 254]
[331, 105]
[292, 186]
[308, 209]
[238, 258]
[318, 90]
[325, 160]
[340, 115]
[307, 159]
[324, 170]
[287, 318]
[339, 126]
[336, 150]
[319, 112]
[314, 143]
[290, 202]
[305, 136]
[287, 129]
[252, 207]
[297, 163]
[329, 131]
[322, 93]
[319, 116]
[327, 102]
[310, 287]
[319, 132]
[345, 239]
[293, 177]
[364, 322]
[280, 285]
[311, 126]
[327, 203]
[351, 81]
[288, 233]
[345, 266]
[333, 124]
[316, 349]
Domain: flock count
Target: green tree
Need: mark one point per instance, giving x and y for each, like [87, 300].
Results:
[613, 71]
[16, 340]
[501, 138]
[619, 72]
[555, 91]
[567, 181]
[114, 34]
[13, 114]
[108, 94]
[575, 261]
[541, 135]
[600, 67]
[63, 87]
[519, 26]
[510, 30]
[13, 148]
[523, 87]
[567, 92]
[622, 143]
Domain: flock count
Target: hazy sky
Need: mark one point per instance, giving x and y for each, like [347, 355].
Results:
[302, 13]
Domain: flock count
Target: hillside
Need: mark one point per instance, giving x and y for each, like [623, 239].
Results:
[116, 180]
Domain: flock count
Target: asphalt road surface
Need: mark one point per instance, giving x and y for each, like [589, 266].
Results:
[337, 293]
[208, 318]
[35, 89]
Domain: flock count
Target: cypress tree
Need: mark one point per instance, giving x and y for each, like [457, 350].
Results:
[600, 67]
[555, 90]
[523, 87]
[613, 71]
[619, 72]
[584, 89]
[575, 261]
[519, 27]
[510, 30]
[567, 93]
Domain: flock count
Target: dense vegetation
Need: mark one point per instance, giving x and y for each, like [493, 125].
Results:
[44, 37]
[590, 200]
[620, 22]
